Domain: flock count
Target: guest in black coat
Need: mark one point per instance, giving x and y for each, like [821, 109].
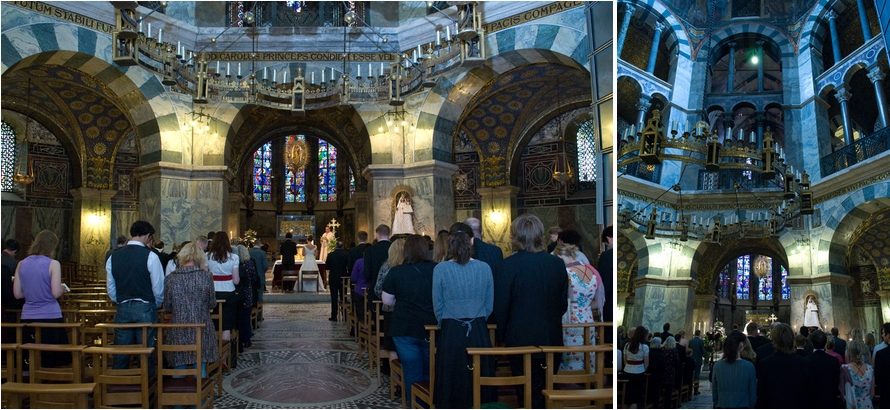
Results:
[530, 297]
[754, 336]
[336, 267]
[825, 370]
[656, 370]
[783, 378]
[800, 343]
[840, 345]
[808, 345]
[357, 252]
[375, 256]
[288, 251]
[488, 253]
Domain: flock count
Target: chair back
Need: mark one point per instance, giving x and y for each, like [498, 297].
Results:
[590, 378]
[525, 379]
[122, 387]
[182, 387]
[108, 330]
[422, 392]
[39, 373]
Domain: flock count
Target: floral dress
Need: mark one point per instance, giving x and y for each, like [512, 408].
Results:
[581, 305]
[861, 385]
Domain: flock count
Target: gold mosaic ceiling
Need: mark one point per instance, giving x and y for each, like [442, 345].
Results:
[83, 114]
[873, 238]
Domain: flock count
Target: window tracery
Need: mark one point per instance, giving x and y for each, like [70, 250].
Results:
[7, 170]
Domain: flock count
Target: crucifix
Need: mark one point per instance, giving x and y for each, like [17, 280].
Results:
[333, 225]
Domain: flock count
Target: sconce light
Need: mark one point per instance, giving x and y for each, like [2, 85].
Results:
[496, 216]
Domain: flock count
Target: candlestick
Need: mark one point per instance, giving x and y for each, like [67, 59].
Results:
[178, 48]
[313, 77]
[217, 67]
[149, 30]
[438, 39]
[729, 132]
[274, 75]
[284, 80]
[448, 33]
[359, 70]
[322, 76]
[160, 34]
[264, 73]
[228, 69]
[370, 70]
[381, 69]
[239, 69]
[332, 73]
[140, 26]
[419, 51]
[753, 137]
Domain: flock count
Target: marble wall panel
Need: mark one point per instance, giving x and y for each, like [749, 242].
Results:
[663, 304]
[7, 221]
[150, 195]
[121, 222]
[207, 208]
[183, 11]
[55, 221]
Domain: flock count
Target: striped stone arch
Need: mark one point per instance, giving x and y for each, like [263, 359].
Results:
[89, 51]
[814, 34]
[656, 11]
[643, 249]
[445, 103]
[843, 220]
[781, 39]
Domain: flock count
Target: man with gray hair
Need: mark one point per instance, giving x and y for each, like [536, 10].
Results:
[202, 242]
[490, 254]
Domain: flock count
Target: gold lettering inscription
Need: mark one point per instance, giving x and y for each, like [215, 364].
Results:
[534, 14]
[55, 12]
[301, 56]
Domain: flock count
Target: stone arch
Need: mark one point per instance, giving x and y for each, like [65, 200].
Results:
[628, 262]
[778, 37]
[642, 248]
[657, 10]
[711, 257]
[444, 106]
[140, 93]
[843, 221]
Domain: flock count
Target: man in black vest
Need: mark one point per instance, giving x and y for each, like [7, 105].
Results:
[336, 264]
[135, 282]
[375, 256]
[288, 251]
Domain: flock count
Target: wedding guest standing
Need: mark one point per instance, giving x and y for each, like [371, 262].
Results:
[734, 383]
[336, 267]
[223, 264]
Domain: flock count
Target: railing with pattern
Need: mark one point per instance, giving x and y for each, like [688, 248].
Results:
[859, 151]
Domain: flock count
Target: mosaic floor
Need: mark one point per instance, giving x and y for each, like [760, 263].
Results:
[703, 400]
[299, 359]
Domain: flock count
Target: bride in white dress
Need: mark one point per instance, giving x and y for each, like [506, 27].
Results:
[310, 267]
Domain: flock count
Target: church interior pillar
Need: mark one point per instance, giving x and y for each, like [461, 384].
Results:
[362, 214]
[885, 306]
[625, 23]
[835, 39]
[730, 82]
[703, 315]
[233, 215]
[876, 75]
[499, 208]
[660, 300]
[843, 95]
[432, 195]
[91, 223]
[653, 52]
[183, 202]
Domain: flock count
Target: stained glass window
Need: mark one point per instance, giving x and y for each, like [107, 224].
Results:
[586, 152]
[725, 284]
[7, 170]
[351, 183]
[327, 172]
[743, 276]
[294, 182]
[766, 283]
[786, 289]
[262, 171]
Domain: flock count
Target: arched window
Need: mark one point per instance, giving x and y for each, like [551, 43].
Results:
[294, 182]
[262, 171]
[7, 170]
[725, 284]
[586, 154]
[744, 277]
[766, 282]
[351, 183]
[786, 289]
[327, 172]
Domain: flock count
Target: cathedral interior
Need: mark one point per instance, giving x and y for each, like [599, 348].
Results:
[217, 116]
[752, 163]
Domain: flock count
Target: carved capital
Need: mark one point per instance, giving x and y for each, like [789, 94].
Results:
[876, 74]
[659, 26]
[843, 95]
[630, 9]
[831, 15]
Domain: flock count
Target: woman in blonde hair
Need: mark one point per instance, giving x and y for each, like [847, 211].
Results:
[586, 298]
[38, 280]
[396, 257]
[858, 378]
[440, 247]
[189, 295]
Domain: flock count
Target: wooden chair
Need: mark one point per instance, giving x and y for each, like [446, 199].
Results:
[122, 387]
[365, 329]
[182, 387]
[254, 317]
[225, 349]
[584, 377]
[422, 392]
[397, 381]
[522, 380]
[289, 276]
[557, 399]
[622, 393]
[344, 304]
[43, 395]
[376, 352]
[12, 373]
[310, 275]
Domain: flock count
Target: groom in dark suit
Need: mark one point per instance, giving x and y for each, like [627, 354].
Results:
[490, 254]
[288, 251]
[375, 257]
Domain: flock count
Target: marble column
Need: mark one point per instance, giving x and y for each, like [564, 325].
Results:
[362, 213]
[843, 96]
[653, 52]
[760, 116]
[885, 305]
[876, 75]
[760, 66]
[625, 23]
[863, 20]
[499, 208]
[835, 40]
[730, 82]
[183, 202]
[91, 223]
[233, 216]
[703, 318]
[430, 184]
[661, 300]
[643, 108]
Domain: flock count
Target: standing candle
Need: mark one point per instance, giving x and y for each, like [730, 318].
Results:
[274, 75]
[419, 50]
[284, 77]
[332, 73]
[313, 77]
[370, 70]
[179, 48]
[149, 30]
[264, 73]
[228, 69]
[381, 69]
[160, 34]
[322, 76]
[359, 70]
[448, 33]
[140, 27]
[438, 39]
[753, 137]
[239, 69]
[217, 67]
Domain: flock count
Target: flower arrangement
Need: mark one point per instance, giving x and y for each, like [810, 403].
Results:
[714, 340]
[249, 237]
[332, 243]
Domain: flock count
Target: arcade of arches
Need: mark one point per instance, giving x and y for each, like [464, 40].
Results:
[109, 143]
[810, 76]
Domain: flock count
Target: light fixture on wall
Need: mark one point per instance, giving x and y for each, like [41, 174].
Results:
[562, 170]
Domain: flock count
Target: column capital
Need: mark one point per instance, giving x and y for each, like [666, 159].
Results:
[876, 74]
[732, 45]
[760, 44]
[643, 105]
[843, 95]
[831, 15]
[659, 26]
[760, 116]
[630, 9]
[92, 194]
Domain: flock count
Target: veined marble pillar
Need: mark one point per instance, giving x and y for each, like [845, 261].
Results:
[703, 316]
[499, 208]
[834, 296]
[91, 216]
[885, 305]
[863, 20]
[625, 23]
[431, 187]
[233, 216]
[642, 108]
[843, 96]
[876, 75]
[835, 40]
[183, 202]
[653, 52]
[661, 300]
[363, 214]
[730, 83]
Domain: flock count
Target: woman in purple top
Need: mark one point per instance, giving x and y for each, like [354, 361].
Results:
[38, 279]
